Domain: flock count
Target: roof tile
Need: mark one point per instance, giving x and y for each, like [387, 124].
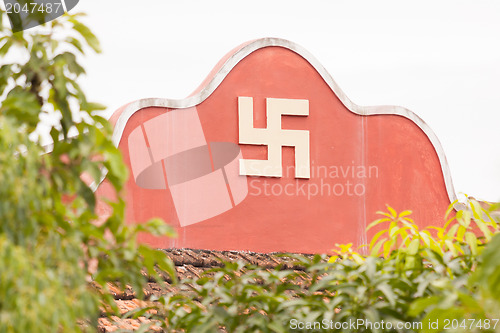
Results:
[190, 264]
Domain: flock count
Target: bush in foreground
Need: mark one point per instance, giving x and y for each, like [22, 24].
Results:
[411, 280]
[55, 260]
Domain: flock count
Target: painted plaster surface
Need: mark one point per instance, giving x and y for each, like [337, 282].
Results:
[185, 158]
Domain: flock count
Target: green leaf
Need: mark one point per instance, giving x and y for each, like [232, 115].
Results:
[158, 228]
[377, 222]
[453, 230]
[7, 44]
[375, 251]
[87, 35]
[392, 211]
[376, 237]
[405, 213]
[471, 240]
[5, 75]
[388, 293]
[414, 247]
[422, 304]
[22, 106]
[76, 43]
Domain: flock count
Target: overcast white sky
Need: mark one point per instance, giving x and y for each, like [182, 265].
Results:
[440, 59]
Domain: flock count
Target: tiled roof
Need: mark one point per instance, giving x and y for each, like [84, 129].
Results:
[189, 264]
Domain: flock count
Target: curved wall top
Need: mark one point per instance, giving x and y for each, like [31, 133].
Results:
[269, 154]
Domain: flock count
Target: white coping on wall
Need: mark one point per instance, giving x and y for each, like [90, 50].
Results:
[246, 50]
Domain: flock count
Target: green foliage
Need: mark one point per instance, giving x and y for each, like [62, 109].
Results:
[473, 301]
[412, 278]
[51, 242]
[244, 298]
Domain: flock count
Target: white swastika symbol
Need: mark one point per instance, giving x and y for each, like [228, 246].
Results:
[274, 137]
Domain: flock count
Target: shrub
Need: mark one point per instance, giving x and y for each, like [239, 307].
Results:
[411, 278]
[50, 244]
